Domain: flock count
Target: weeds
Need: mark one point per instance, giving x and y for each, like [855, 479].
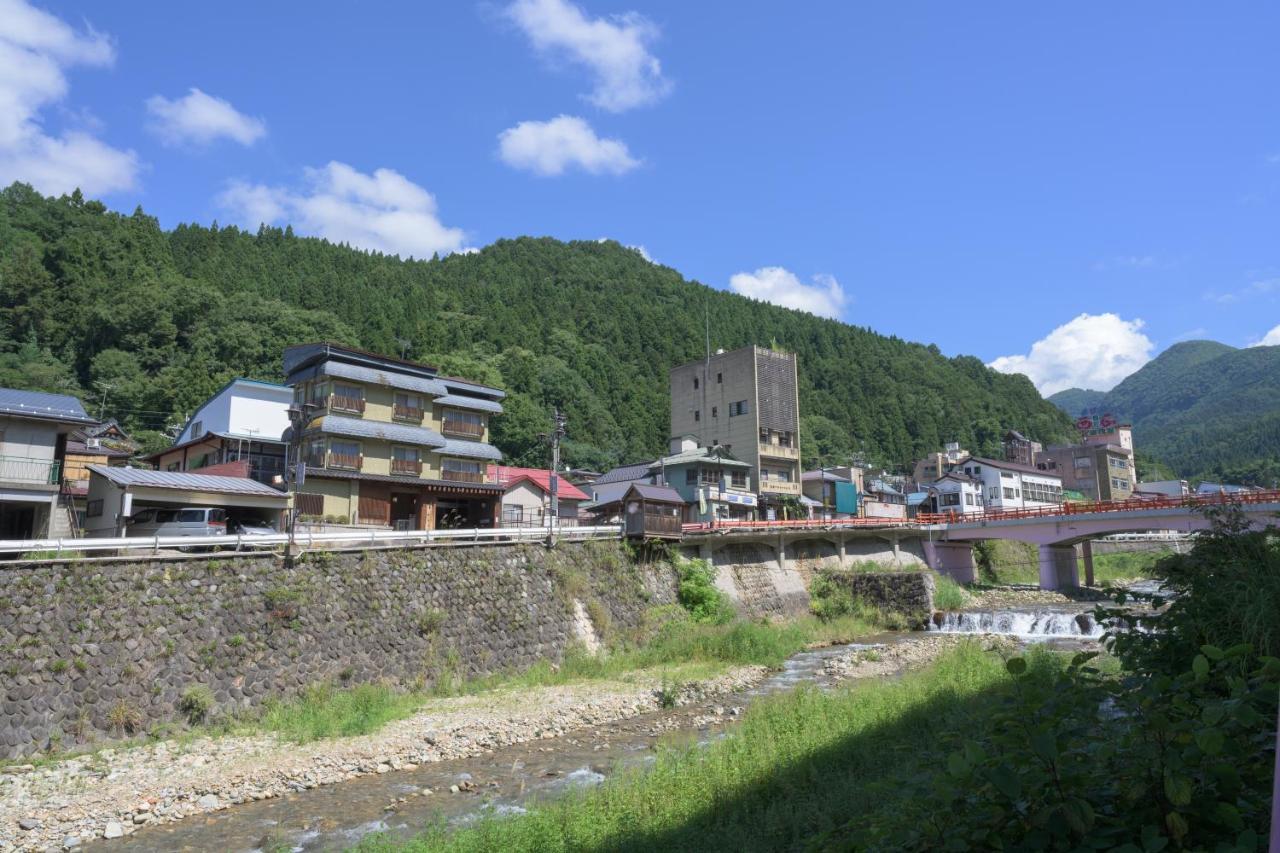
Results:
[196, 703]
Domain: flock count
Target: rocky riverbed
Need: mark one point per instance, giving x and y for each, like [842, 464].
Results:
[900, 657]
[113, 793]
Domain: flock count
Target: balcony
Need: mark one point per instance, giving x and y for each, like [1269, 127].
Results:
[407, 414]
[411, 467]
[462, 476]
[349, 405]
[777, 451]
[349, 461]
[779, 487]
[455, 426]
[24, 469]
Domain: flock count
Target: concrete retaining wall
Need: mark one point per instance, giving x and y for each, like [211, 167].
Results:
[93, 649]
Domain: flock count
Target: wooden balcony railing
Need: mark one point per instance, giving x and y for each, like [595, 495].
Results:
[339, 403]
[410, 414]
[460, 427]
[412, 467]
[345, 460]
[462, 476]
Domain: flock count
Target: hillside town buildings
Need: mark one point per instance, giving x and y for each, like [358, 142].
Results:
[34, 428]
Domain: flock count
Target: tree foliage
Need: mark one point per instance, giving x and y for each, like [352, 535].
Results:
[155, 321]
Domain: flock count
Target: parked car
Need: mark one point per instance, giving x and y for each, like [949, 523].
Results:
[190, 521]
[249, 527]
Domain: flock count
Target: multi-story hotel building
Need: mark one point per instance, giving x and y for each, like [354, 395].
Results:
[748, 402]
[391, 442]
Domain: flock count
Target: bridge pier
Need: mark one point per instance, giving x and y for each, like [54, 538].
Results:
[1058, 567]
[1086, 551]
[954, 559]
[843, 551]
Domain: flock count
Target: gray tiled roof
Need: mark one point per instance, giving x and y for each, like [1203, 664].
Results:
[37, 404]
[184, 480]
[609, 492]
[650, 492]
[357, 373]
[455, 384]
[470, 450]
[458, 401]
[361, 428]
[625, 473]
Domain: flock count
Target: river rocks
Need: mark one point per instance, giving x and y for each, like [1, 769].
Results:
[27, 824]
[168, 781]
[114, 829]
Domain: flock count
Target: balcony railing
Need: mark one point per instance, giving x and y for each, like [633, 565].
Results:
[413, 467]
[24, 469]
[778, 451]
[462, 476]
[354, 405]
[460, 427]
[410, 414]
[345, 460]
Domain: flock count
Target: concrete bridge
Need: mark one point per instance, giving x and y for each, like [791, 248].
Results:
[752, 557]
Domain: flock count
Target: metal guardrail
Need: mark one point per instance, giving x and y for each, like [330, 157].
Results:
[354, 538]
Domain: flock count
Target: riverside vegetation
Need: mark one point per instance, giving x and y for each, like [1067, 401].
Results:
[1165, 744]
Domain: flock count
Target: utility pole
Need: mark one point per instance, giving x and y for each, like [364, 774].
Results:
[554, 438]
[104, 387]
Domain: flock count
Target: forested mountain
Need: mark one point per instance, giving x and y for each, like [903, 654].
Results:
[116, 309]
[1206, 409]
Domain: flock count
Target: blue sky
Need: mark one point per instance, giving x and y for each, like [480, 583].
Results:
[977, 176]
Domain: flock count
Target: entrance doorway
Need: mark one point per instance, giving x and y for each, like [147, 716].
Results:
[404, 511]
[17, 521]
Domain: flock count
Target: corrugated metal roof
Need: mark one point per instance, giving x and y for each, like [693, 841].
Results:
[470, 450]
[361, 428]
[473, 403]
[184, 480]
[38, 404]
[663, 494]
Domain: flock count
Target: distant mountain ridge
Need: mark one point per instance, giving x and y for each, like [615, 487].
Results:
[1205, 408]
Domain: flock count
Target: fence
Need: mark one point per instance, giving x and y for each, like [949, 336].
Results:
[373, 538]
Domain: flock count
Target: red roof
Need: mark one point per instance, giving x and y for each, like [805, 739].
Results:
[506, 476]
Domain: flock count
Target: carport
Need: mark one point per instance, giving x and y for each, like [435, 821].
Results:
[115, 494]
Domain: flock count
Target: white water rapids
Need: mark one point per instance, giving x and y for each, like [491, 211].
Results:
[1027, 625]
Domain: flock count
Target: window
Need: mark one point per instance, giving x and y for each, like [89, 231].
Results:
[709, 477]
[463, 466]
[968, 499]
[93, 509]
[1117, 483]
[344, 454]
[951, 499]
[738, 479]
[715, 413]
[1118, 463]
[407, 407]
[405, 454]
[764, 435]
[463, 423]
[977, 470]
[347, 398]
[1008, 493]
[738, 408]
[697, 415]
[173, 466]
[786, 439]
[695, 383]
[690, 476]
[1082, 462]
[197, 429]
[1007, 475]
[719, 378]
[512, 514]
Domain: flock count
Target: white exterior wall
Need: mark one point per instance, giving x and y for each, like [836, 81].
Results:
[996, 480]
[243, 408]
[971, 496]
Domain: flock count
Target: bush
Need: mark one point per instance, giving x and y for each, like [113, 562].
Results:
[430, 621]
[195, 703]
[698, 594]
[830, 599]
[124, 718]
[949, 595]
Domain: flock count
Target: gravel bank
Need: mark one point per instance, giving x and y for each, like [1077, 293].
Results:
[908, 654]
[116, 792]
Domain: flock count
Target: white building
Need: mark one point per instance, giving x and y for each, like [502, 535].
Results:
[957, 493]
[1011, 485]
[243, 408]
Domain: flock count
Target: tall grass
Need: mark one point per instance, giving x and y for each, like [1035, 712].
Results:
[949, 595]
[801, 764]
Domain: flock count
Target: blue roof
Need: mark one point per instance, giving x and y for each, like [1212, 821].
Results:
[38, 404]
[361, 428]
[458, 401]
[625, 473]
[470, 450]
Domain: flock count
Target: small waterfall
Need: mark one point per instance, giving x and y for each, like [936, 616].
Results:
[1040, 624]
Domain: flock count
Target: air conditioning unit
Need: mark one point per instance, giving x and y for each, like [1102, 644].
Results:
[93, 443]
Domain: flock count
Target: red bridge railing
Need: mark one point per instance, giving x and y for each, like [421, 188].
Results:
[1049, 511]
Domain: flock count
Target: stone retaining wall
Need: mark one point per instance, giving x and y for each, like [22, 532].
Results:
[908, 593]
[94, 649]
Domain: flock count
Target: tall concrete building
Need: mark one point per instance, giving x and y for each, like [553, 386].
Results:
[748, 402]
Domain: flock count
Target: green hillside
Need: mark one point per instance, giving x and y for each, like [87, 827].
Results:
[1206, 409]
[114, 308]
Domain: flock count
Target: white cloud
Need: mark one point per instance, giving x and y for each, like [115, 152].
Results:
[616, 50]
[551, 147]
[383, 212]
[1258, 287]
[824, 297]
[1270, 339]
[36, 48]
[1092, 351]
[200, 119]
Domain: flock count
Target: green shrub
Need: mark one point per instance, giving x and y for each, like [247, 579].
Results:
[698, 594]
[124, 718]
[59, 666]
[829, 599]
[949, 595]
[195, 703]
[430, 621]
